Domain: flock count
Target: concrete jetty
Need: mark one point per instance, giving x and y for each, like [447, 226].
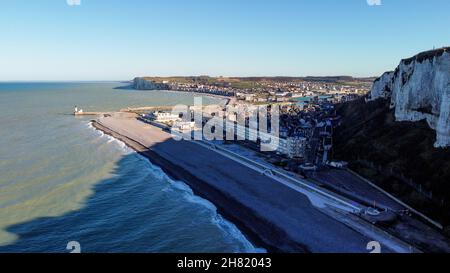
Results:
[91, 113]
[146, 109]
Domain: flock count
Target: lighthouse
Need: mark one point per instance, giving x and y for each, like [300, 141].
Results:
[77, 111]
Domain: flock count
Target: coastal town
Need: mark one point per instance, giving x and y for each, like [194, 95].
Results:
[263, 89]
[307, 112]
[294, 150]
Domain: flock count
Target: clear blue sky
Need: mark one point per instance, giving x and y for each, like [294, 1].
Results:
[118, 39]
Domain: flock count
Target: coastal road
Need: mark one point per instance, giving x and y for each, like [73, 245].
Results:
[272, 213]
[344, 181]
[283, 177]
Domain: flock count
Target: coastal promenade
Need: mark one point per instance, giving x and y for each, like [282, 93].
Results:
[272, 214]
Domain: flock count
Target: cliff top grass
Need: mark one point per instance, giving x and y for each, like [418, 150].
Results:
[427, 55]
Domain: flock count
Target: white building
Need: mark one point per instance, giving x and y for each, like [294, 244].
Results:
[296, 147]
[293, 147]
[165, 117]
[184, 125]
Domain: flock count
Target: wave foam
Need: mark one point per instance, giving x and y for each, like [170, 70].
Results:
[118, 144]
[231, 231]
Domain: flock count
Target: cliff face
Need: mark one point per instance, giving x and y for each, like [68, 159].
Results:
[143, 84]
[419, 89]
[382, 87]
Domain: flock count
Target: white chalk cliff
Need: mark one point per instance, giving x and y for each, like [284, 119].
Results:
[419, 89]
[141, 83]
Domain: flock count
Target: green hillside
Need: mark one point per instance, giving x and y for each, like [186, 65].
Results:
[398, 156]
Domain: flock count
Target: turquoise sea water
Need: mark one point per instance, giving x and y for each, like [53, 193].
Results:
[62, 181]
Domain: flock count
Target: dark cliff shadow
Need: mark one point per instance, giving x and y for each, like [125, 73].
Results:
[114, 198]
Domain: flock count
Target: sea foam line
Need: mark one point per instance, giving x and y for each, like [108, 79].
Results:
[226, 226]
[118, 143]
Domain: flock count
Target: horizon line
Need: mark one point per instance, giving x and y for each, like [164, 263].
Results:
[178, 76]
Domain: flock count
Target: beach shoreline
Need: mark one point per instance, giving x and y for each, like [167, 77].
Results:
[199, 188]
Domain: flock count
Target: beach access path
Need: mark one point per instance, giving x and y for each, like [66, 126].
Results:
[271, 214]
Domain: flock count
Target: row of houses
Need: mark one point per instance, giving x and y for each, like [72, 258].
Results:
[292, 147]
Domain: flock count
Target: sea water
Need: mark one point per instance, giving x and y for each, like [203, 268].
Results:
[62, 181]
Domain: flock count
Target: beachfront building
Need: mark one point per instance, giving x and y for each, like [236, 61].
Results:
[184, 125]
[292, 147]
[296, 147]
[164, 117]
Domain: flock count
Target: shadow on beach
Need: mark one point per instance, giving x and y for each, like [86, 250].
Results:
[118, 198]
